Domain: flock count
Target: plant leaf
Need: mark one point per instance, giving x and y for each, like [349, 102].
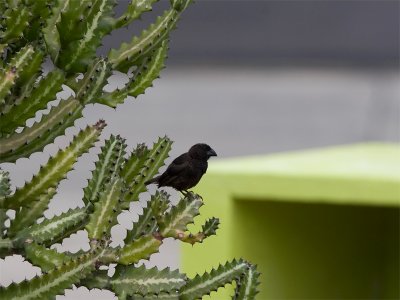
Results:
[50, 32]
[35, 138]
[208, 229]
[155, 159]
[134, 10]
[28, 215]
[56, 168]
[46, 259]
[175, 222]
[55, 282]
[142, 248]
[110, 160]
[95, 78]
[54, 229]
[5, 188]
[9, 74]
[81, 34]
[17, 19]
[45, 91]
[211, 281]
[105, 211]
[144, 77]
[247, 285]
[133, 53]
[147, 222]
[144, 281]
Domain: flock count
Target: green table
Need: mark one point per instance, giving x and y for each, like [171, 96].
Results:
[320, 224]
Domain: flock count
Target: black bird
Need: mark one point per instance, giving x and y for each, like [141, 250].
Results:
[186, 170]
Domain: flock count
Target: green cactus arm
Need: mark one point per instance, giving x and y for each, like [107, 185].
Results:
[134, 10]
[144, 281]
[25, 82]
[208, 229]
[132, 53]
[50, 284]
[5, 190]
[3, 218]
[246, 287]
[2, 48]
[155, 159]
[28, 215]
[54, 229]
[95, 78]
[79, 46]
[46, 259]
[147, 222]
[16, 20]
[45, 91]
[50, 32]
[73, 20]
[144, 77]
[174, 223]
[35, 138]
[40, 13]
[56, 168]
[5, 187]
[30, 73]
[141, 248]
[162, 295]
[10, 73]
[106, 210]
[110, 159]
[135, 162]
[211, 281]
[98, 280]
[6, 247]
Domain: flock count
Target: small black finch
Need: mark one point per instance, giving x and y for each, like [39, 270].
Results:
[186, 170]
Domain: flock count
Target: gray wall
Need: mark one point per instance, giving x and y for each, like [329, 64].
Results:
[351, 32]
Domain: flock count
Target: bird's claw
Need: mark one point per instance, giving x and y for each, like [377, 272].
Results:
[187, 194]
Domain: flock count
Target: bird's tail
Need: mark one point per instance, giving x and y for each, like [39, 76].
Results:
[153, 180]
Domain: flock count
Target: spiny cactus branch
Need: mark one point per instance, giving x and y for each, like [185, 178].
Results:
[175, 222]
[147, 165]
[10, 73]
[246, 286]
[55, 281]
[208, 229]
[147, 222]
[208, 282]
[44, 92]
[141, 248]
[55, 170]
[133, 53]
[35, 138]
[105, 211]
[110, 160]
[143, 78]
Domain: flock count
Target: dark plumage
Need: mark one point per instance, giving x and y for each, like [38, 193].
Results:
[186, 170]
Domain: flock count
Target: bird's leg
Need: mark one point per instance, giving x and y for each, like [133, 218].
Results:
[184, 193]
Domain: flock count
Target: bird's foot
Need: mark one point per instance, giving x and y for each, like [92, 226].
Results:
[184, 193]
[188, 194]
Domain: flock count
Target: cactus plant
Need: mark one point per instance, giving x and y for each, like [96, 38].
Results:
[68, 33]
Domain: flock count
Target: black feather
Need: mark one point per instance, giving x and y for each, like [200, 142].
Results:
[186, 170]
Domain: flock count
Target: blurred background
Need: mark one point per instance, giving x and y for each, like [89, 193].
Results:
[248, 77]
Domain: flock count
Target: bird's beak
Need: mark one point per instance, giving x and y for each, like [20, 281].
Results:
[211, 153]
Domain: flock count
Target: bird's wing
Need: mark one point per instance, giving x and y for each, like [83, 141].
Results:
[177, 168]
